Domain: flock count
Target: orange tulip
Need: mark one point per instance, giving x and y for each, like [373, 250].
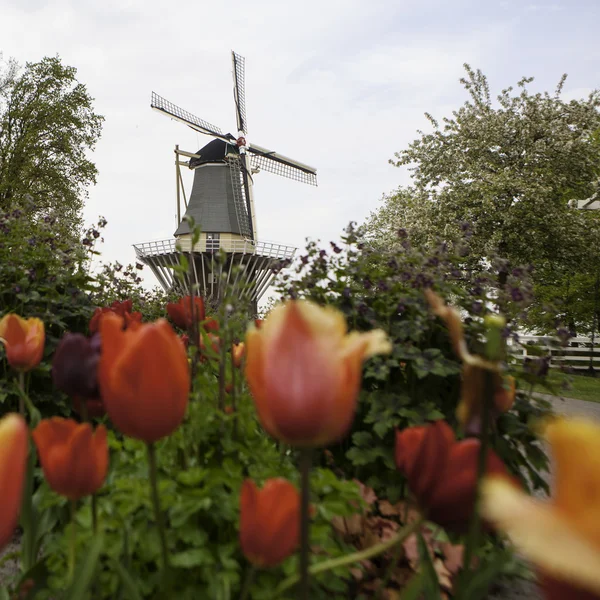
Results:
[269, 521]
[504, 397]
[13, 465]
[561, 536]
[74, 458]
[441, 472]
[144, 378]
[23, 340]
[470, 407]
[304, 371]
[238, 351]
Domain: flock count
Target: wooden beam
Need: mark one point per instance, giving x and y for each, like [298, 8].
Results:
[188, 154]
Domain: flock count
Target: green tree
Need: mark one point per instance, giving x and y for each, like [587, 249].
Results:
[47, 128]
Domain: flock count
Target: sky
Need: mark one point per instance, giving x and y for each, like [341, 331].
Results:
[339, 85]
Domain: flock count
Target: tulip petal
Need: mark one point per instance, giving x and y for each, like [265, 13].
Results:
[74, 460]
[302, 375]
[408, 443]
[269, 521]
[100, 452]
[144, 379]
[24, 341]
[429, 464]
[575, 445]
[542, 533]
[370, 343]
[255, 375]
[249, 532]
[13, 463]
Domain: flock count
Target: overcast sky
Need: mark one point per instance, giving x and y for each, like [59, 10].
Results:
[339, 85]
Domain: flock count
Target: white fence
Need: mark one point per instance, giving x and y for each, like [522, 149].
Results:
[577, 354]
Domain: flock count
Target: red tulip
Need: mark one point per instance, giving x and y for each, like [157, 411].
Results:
[269, 521]
[441, 472]
[14, 446]
[23, 340]
[181, 311]
[144, 378]
[74, 459]
[215, 347]
[122, 309]
[210, 324]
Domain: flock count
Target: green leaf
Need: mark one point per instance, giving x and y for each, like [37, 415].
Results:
[481, 579]
[414, 588]
[192, 558]
[86, 570]
[128, 584]
[432, 585]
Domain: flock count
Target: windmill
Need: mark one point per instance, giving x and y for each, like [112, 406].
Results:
[221, 203]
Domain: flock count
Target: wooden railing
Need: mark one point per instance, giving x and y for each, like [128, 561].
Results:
[578, 353]
[269, 249]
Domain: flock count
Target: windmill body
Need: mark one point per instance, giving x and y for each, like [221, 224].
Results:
[221, 203]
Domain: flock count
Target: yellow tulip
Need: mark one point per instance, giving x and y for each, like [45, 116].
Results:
[561, 536]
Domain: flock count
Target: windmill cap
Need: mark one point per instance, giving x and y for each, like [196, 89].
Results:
[214, 151]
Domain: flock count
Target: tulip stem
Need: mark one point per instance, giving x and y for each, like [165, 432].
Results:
[22, 394]
[156, 502]
[248, 581]
[305, 464]
[222, 365]
[342, 561]
[381, 593]
[474, 526]
[72, 543]
[233, 392]
[95, 513]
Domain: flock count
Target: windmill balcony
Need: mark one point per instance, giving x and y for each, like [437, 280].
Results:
[172, 246]
[249, 268]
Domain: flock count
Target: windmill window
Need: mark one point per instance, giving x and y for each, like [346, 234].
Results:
[212, 242]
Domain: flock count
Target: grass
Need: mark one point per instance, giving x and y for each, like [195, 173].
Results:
[581, 387]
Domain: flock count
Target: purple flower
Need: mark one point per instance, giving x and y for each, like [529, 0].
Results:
[75, 365]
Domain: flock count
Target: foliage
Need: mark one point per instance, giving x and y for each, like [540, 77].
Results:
[420, 381]
[47, 127]
[48, 281]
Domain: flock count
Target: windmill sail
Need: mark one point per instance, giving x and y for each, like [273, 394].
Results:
[239, 90]
[282, 165]
[160, 104]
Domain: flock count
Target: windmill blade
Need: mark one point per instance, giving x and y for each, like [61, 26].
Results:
[162, 105]
[240, 200]
[239, 90]
[282, 165]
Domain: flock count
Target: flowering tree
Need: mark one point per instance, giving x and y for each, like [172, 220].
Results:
[509, 167]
